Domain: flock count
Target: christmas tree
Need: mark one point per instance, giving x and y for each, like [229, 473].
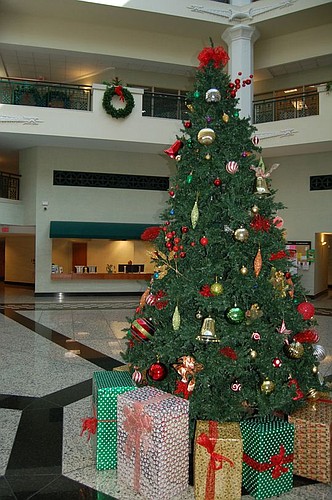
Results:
[223, 322]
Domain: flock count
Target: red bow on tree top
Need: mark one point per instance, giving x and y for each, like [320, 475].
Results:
[217, 55]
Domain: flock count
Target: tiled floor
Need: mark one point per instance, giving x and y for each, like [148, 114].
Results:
[49, 349]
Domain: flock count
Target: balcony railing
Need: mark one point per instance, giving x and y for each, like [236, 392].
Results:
[45, 94]
[296, 106]
[164, 105]
[155, 104]
[9, 186]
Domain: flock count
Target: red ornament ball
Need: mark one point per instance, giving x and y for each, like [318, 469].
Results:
[184, 229]
[204, 241]
[306, 309]
[142, 329]
[217, 182]
[187, 123]
[157, 371]
[182, 255]
[192, 243]
[277, 362]
[171, 193]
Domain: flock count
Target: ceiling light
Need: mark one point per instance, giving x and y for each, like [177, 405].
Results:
[290, 90]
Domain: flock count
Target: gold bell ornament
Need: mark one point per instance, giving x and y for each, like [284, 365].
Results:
[206, 136]
[261, 189]
[208, 331]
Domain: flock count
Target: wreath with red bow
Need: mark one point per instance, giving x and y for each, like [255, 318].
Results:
[124, 95]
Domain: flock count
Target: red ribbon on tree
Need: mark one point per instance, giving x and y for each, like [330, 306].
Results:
[118, 91]
[228, 352]
[277, 463]
[216, 459]
[182, 388]
[217, 55]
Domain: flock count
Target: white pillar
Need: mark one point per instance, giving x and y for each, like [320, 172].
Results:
[240, 40]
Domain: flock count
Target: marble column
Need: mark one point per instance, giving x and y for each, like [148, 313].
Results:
[240, 40]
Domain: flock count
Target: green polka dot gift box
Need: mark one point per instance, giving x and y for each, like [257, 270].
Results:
[153, 443]
[102, 426]
[268, 446]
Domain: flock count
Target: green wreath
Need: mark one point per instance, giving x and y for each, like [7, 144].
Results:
[124, 95]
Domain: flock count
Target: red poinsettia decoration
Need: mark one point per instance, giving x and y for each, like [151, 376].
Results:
[150, 233]
[228, 352]
[205, 291]
[278, 255]
[217, 55]
[260, 223]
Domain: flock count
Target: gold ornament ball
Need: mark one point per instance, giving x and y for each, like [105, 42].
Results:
[255, 209]
[244, 270]
[267, 386]
[253, 354]
[225, 118]
[206, 136]
[208, 156]
[241, 234]
[216, 289]
[178, 158]
[295, 350]
[315, 369]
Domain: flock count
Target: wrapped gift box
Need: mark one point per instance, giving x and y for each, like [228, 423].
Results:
[268, 446]
[217, 461]
[313, 441]
[105, 389]
[153, 443]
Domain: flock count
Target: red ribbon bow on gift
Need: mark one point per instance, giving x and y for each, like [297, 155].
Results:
[216, 459]
[89, 424]
[137, 426]
[277, 463]
[118, 91]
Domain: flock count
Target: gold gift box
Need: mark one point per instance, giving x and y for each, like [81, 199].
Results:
[313, 440]
[218, 460]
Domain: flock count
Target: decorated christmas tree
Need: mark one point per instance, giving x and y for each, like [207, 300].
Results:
[224, 321]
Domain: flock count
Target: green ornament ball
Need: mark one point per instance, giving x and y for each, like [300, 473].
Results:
[196, 93]
[234, 315]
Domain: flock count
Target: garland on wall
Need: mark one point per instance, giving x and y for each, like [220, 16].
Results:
[116, 89]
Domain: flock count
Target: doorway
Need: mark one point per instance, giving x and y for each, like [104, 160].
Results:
[79, 255]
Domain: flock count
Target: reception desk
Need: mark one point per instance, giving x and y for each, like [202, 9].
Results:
[100, 276]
